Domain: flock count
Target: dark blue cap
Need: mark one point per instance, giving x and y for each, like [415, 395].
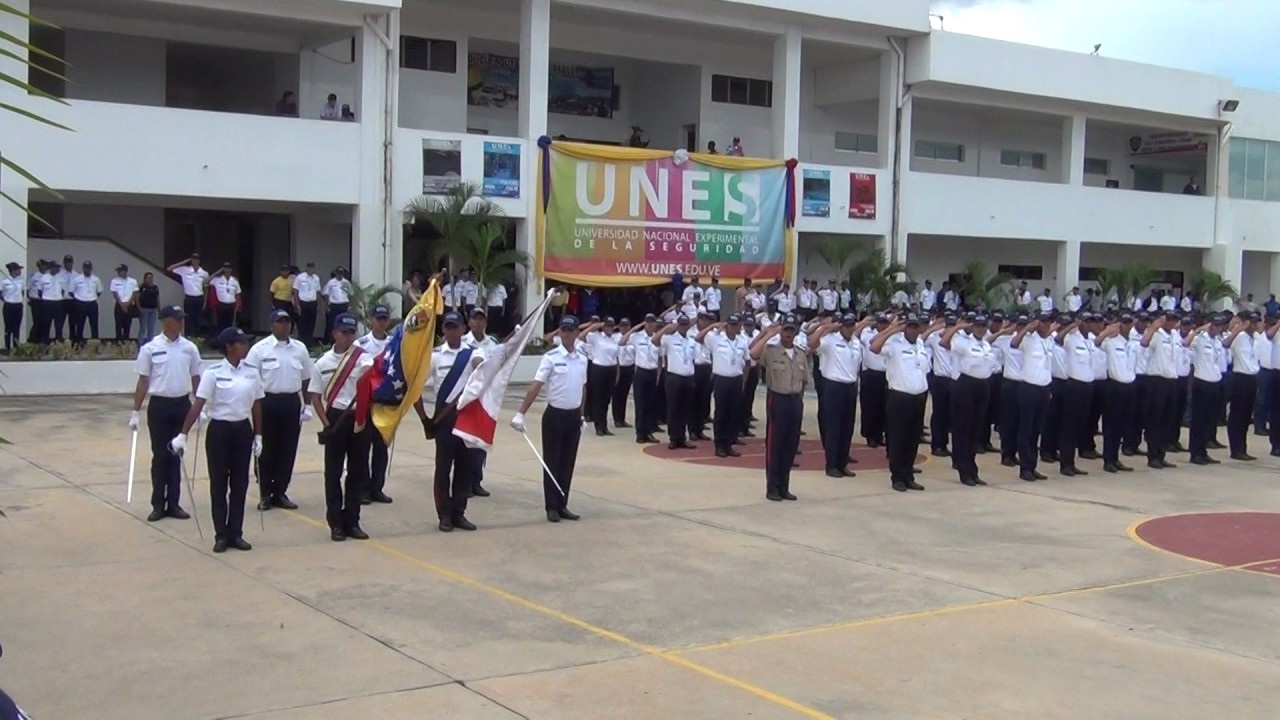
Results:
[913, 319]
[172, 311]
[735, 319]
[478, 311]
[380, 312]
[230, 336]
[791, 321]
[452, 318]
[568, 322]
[650, 316]
[279, 315]
[1126, 317]
[849, 319]
[682, 319]
[980, 320]
[346, 322]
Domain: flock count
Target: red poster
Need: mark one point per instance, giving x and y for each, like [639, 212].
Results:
[862, 196]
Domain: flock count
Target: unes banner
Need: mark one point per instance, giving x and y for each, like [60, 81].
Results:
[613, 217]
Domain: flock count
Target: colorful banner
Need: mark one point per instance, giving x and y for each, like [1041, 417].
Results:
[617, 217]
[494, 81]
[441, 166]
[816, 194]
[501, 169]
[862, 196]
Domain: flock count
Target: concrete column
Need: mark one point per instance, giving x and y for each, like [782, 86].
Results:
[786, 93]
[1216, 167]
[1067, 268]
[898, 196]
[13, 221]
[1227, 259]
[535, 68]
[376, 237]
[1273, 283]
[888, 111]
[1073, 130]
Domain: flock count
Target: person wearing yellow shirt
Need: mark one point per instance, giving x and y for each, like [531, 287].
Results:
[282, 291]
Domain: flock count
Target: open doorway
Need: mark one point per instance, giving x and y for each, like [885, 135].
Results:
[690, 137]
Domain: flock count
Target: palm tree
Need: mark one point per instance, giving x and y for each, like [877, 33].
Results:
[1210, 287]
[456, 219]
[20, 50]
[978, 286]
[363, 299]
[876, 278]
[1113, 282]
[490, 257]
[1140, 277]
[836, 252]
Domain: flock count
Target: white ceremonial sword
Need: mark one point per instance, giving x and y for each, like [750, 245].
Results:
[543, 463]
[133, 460]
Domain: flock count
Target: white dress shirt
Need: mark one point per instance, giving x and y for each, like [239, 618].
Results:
[50, 286]
[442, 362]
[1037, 359]
[1163, 361]
[497, 296]
[786, 301]
[307, 286]
[1010, 358]
[679, 350]
[1078, 358]
[1046, 303]
[689, 290]
[602, 348]
[906, 366]
[951, 300]
[123, 288]
[728, 355]
[1244, 361]
[871, 360]
[169, 366]
[646, 353]
[337, 291]
[1262, 350]
[626, 351]
[485, 343]
[712, 298]
[1205, 353]
[846, 298]
[225, 288]
[12, 289]
[229, 391]
[1119, 352]
[830, 298]
[564, 375]
[973, 357]
[193, 280]
[282, 364]
[1167, 303]
[840, 360]
[807, 299]
[373, 345]
[1073, 302]
[470, 293]
[323, 375]
[62, 284]
[88, 288]
[942, 363]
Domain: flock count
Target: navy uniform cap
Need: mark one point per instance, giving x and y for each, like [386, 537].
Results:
[230, 336]
[452, 318]
[735, 319]
[980, 320]
[345, 322]
[381, 311]
[568, 322]
[172, 311]
[650, 317]
[790, 321]
[849, 319]
[279, 315]
[1126, 318]
[913, 319]
[682, 319]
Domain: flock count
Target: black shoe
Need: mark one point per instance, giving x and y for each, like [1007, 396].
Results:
[685, 446]
[283, 501]
[1028, 476]
[737, 442]
[834, 473]
[1244, 457]
[788, 496]
[1275, 452]
[647, 440]
[623, 424]
[1155, 464]
[1167, 465]
[460, 522]
[1048, 458]
[240, 544]
[722, 453]
[969, 482]
[1128, 452]
[1090, 455]
[178, 513]
[1072, 471]
[602, 433]
[1008, 462]
[699, 436]
[748, 434]
[1039, 475]
[1214, 445]
[987, 448]
[446, 525]
[366, 500]
[916, 471]
[356, 532]
[1260, 431]
[873, 443]
[336, 534]
[553, 516]
[264, 505]
[941, 452]
[1199, 461]
[381, 497]
[478, 491]
[567, 514]
[913, 485]
[900, 486]
[219, 545]
[979, 481]
[156, 515]
[1213, 461]
[775, 497]
[848, 473]
[733, 453]
[1177, 448]
[1122, 467]
[1110, 468]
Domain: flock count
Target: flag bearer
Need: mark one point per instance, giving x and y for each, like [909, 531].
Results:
[333, 395]
[478, 340]
[451, 367]
[373, 343]
[285, 368]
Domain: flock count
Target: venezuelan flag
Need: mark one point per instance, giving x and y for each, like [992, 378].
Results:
[399, 373]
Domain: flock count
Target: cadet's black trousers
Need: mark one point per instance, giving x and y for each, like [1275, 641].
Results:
[701, 412]
[1008, 422]
[1204, 416]
[904, 416]
[983, 438]
[602, 380]
[344, 446]
[969, 398]
[377, 463]
[453, 471]
[1033, 400]
[281, 426]
[940, 420]
[164, 422]
[836, 412]
[783, 415]
[12, 323]
[229, 449]
[1157, 410]
[728, 397]
[679, 406]
[621, 389]
[1050, 431]
[1244, 391]
[874, 387]
[1119, 410]
[561, 434]
[1077, 398]
[645, 388]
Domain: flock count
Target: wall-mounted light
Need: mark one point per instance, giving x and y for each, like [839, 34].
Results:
[1228, 106]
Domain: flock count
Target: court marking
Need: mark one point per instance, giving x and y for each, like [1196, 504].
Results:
[1132, 531]
[532, 605]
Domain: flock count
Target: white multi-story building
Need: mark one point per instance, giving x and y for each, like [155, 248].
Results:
[1044, 163]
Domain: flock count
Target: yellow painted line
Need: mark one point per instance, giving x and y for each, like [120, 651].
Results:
[650, 650]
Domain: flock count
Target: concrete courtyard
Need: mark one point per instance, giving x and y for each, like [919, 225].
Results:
[682, 593]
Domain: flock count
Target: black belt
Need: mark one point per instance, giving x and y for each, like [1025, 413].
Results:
[288, 394]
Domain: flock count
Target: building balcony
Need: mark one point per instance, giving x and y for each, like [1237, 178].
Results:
[119, 148]
[949, 205]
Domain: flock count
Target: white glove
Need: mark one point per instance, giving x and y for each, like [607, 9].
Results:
[584, 427]
[257, 445]
[178, 445]
[517, 422]
[134, 417]
[307, 414]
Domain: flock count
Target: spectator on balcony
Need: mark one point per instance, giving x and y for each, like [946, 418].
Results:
[347, 114]
[227, 298]
[735, 147]
[85, 289]
[195, 284]
[287, 105]
[147, 303]
[124, 293]
[331, 110]
[711, 148]
[1192, 187]
[638, 138]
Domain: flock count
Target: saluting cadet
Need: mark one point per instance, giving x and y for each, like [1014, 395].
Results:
[1206, 385]
[1035, 347]
[677, 350]
[1244, 384]
[1141, 358]
[1120, 395]
[1162, 370]
[231, 391]
[306, 299]
[1010, 386]
[974, 362]
[906, 371]
[1077, 396]
[333, 395]
[563, 372]
[1098, 360]
[700, 415]
[168, 370]
[787, 373]
[626, 375]
[603, 348]
[839, 350]
[982, 441]
[728, 351]
[227, 293]
[1051, 431]
[373, 343]
[1273, 409]
[645, 384]
[873, 385]
[285, 368]
[195, 281]
[940, 383]
[750, 331]
[451, 368]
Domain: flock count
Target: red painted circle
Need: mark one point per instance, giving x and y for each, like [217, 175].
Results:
[811, 456]
[1249, 540]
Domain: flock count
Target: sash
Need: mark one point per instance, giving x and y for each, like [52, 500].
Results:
[460, 364]
[345, 367]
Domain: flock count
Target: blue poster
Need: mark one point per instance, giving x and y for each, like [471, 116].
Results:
[816, 198]
[501, 169]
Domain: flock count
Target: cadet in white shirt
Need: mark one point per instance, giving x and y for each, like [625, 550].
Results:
[479, 341]
[195, 282]
[603, 348]
[12, 290]
[1120, 395]
[231, 393]
[941, 380]
[906, 373]
[1007, 413]
[728, 350]
[784, 300]
[1074, 301]
[807, 300]
[496, 307]
[677, 350]
[563, 371]
[982, 441]
[839, 351]
[168, 369]
[1077, 395]
[874, 385]
[626, 375]
[1244, 383]
[1046, 301]
[373, 343]
[1206, 387]
[1262, 347]
[285, 368]
[85, 289]
[336, 293]
[227, 295]
[53, 285]
[646, 383]
[700, 415]
[1273, 409]
[693, 288]
[1035, 348]
[124, 295]
[306, 302]
[974, 362]
[332, 391]
[829, 297]
[64, 312]
[712, 298]
[1162, 380]
[928, 298]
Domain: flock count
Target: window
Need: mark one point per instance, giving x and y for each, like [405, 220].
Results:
[856, 142]
[1022, 159]
[428, 54]
[741, 91]
[1097, 166]
[1022, 272]
[931, 150]
[1254, 170]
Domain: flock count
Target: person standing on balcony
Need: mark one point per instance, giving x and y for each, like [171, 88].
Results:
[1192, 187]
[332, 110]
[195, 283]
[337, 298]
[227, 295]
[147, 302]
[735, 147]
[12, 288]
[306, 295]
[124, 291]
[85, 289]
